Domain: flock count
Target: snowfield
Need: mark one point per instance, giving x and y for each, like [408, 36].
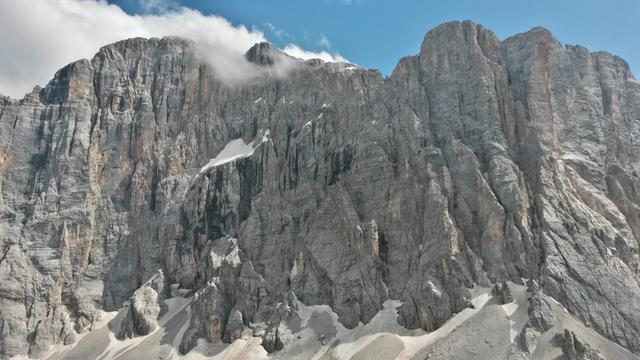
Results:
[317, 334]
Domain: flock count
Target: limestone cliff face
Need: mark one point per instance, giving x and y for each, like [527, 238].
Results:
[476, 161]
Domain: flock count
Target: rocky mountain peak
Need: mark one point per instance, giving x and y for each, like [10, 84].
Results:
[72, 82]
[535, 37]
[540, 33]
[454, 46]
[265, 53]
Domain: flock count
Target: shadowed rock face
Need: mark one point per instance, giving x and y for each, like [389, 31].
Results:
[477, 161]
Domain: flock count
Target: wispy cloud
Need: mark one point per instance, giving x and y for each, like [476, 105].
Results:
[158, 6]
[278, 32]
[42, 36]
[324, 42]
[296, 51]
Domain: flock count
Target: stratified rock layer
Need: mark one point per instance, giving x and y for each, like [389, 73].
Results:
[477, 161]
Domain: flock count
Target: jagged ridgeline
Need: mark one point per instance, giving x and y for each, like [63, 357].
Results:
[307, 208]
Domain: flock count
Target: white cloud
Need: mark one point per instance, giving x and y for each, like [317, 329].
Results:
[296, 51]
[324, 42]
[158, 6]
[39, 37]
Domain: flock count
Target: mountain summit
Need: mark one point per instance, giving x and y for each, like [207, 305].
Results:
[482, 201]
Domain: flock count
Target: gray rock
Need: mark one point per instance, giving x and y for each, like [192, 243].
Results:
[532, 286]
[141, 315]
[542, 317]
[528, 340]
[233, 328]
[477, 161]
[502, 292]
[506, 295]
[575, 349]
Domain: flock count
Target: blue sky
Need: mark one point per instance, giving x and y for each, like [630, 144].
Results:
[376, 33]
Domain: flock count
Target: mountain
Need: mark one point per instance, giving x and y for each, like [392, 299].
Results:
[483, 200]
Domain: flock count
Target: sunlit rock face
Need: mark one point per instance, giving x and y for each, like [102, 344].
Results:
[477, 161]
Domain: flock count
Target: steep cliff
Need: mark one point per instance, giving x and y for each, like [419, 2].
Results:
[477, 161]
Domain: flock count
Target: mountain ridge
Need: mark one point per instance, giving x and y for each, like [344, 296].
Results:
[445, 24]
[477, 161]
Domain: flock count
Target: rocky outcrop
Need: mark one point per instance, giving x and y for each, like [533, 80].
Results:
[477, 161]
[541, 314]
[576, 349]
[502, 292]
[143, 309]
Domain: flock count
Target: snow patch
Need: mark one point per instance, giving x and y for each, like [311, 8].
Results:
[517, 311]
[308, 123]
[416, 121]
[434, 289]
[480, 296]
[349, 342]
[305, 312]
[235, 149]
[177, 291]
[498, 146]
[573, 157]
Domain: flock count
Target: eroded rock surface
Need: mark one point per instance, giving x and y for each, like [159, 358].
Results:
[576, 349]
[143, 309]
[476, 162]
